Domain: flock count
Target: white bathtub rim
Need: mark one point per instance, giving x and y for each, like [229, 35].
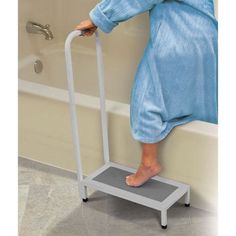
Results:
[62, 95]
[122, 109]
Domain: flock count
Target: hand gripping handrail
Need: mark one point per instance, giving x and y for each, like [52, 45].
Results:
[73, 113]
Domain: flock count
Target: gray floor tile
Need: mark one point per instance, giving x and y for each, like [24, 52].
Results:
[179, 215]
[49, 205]
[205, 229]
[200, 216]
[34, 217]
[35, 173]
[22, 201]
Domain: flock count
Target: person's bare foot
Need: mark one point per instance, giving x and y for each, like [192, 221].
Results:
[143, 174]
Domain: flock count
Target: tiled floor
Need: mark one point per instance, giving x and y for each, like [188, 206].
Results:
[49, 204]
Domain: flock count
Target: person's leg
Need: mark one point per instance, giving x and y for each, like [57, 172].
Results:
[148, 168]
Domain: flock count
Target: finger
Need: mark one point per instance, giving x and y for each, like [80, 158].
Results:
[79, 27]
[89, 32]
[85, 25]
[82, 26]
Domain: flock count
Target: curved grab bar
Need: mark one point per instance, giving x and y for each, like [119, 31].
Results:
[70, 82]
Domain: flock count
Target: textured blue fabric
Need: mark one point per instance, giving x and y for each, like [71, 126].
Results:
[176, 80]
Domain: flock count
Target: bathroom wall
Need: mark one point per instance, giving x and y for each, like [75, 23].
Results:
[122, 49]
[216, 8]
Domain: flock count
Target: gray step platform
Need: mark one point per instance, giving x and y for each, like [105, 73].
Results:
[158, 193]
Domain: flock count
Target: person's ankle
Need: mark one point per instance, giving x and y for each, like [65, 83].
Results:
[150, 163]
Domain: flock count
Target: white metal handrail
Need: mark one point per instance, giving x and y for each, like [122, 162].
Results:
[72, 102]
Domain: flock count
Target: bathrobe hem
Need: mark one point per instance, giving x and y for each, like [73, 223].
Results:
[163, 134]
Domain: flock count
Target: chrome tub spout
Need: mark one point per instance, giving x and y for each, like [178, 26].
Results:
[36, 28]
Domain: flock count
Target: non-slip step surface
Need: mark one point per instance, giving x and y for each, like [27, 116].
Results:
[152, 189]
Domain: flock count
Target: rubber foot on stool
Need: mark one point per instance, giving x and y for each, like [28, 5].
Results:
[85, 199]
[164, 226]
[187, 205]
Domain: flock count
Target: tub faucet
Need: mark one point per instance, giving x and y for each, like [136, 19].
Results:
[36, 28]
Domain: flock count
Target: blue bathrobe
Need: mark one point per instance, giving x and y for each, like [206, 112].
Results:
[176, 79]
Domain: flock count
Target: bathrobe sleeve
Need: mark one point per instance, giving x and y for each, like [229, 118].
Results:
[108, 13]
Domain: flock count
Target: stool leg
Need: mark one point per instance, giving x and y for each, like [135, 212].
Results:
[164, 219]
[83, 192]
[187, 198]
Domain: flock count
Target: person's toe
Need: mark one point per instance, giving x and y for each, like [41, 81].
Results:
[128, 180]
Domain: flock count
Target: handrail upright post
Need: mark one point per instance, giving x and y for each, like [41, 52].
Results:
[101, 84]
[72, 104]
[70, 81]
